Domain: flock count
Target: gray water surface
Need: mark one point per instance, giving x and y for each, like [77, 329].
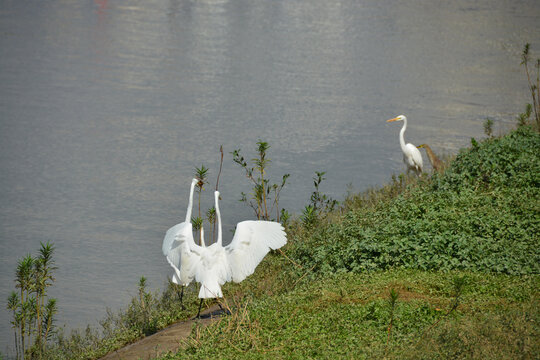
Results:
[106, 108]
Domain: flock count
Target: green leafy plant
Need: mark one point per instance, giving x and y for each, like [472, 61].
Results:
[320, 202]
[264, 198]
[33, 317]
[201, 174]
[211, 218]
[142, 296]
[284, 217]
[13, 305]
[197, 223]
[309, 216]
[524, 117]
[488, 127]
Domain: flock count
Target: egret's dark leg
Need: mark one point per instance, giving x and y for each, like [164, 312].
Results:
[182, 298]
[199, 313]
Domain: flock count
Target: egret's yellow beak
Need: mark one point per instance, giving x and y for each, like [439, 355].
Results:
[421, 146]
[394, 119]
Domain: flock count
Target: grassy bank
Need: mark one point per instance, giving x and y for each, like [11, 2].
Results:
[442, 267]
[349, 315]
[480, 215]
[458, 249]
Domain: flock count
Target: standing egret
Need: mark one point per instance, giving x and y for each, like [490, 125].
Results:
[179, 259]
[411, 155]
[214, 265]
[433, 159]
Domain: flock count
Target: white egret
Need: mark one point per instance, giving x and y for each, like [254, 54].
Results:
[411, 155]
[172, 249]
[214, 265]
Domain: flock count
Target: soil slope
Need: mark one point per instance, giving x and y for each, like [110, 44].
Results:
[163, 341]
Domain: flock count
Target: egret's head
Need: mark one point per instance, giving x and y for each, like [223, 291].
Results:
[194, 181]
[216, 194]
[399, 118]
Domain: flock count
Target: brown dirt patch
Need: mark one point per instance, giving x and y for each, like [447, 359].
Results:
[163, 341]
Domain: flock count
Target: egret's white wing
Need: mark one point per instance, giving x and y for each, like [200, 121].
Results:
[415, 156]
[181, 251]
[176, 276]
[170, 235]
[184, 228]
[251, 242]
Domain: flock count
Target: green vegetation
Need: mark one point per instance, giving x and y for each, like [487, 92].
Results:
[146, 314]
[261, 198]
[481, 214]
[533, 87]
[442, 267]
[488, 127]
[33, 318]
[201, 174]
[348, 316]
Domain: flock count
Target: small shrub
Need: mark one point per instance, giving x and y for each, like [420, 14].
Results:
[488, 127]
[533, 87]
[33, 311]
[265, 196]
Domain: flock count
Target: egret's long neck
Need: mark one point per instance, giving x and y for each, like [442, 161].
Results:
[218, 215]
[401, 133]
[203, 244]
[190, 204]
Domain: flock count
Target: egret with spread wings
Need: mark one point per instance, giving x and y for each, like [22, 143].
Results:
[214, 265]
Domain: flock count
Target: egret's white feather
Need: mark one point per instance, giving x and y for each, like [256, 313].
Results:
[176, 238]
[212, 271]
[170, 236]
[251, 242]
[175, 278]
[413, 157]
[184, 255]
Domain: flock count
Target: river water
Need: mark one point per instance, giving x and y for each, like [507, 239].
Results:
[106, 107]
